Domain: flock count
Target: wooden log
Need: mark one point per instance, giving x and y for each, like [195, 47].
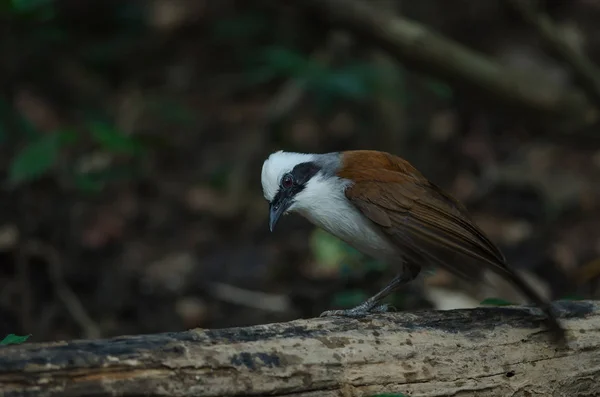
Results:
[491, 351]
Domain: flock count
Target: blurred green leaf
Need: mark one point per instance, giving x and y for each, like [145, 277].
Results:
[14, 119]
[66, 136]
[442, 90]
[329, 251]
[38, 9]
[355, 81]
[35, 159]
[95, 181]
[369, 264]
[87, 183]
[390, 82]
[172, 111]
[29, 5]
[349, 298]
[48, 35]
[282, 61]
[496, 302]
[344, 84]
[219, 178]
[242, 27]
[113, 140]
[12, 339]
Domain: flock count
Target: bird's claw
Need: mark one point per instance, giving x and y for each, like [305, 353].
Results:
[383, 308]
[357, 312]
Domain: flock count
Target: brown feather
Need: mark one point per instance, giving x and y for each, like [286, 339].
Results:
[428, 225]
[393, 194]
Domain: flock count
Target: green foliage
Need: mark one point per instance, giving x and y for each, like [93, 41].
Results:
[41, 10]
[326, 249]
[12, 339]
[113, 140]
[349, 298]
[329, 251]
[245, 27]
[95, 181]
[441, 90]
[334, 254]
[496, 302]
[88, 182]
[23, 125]
[219, 178]
[356, 81]
[38, 157]
[29, 5]
[41, 154]
[277, 61]
[171, 111]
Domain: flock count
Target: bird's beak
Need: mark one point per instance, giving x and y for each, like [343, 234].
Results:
[277, 207]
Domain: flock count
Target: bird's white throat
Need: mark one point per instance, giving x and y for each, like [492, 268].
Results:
[324, 204]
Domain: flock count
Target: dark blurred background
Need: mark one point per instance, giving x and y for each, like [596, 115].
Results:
[132, 135]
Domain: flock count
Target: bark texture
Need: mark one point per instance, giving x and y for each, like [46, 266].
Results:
[494, 351]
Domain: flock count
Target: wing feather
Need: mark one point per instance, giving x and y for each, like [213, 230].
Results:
[425, 222]
[420, 217]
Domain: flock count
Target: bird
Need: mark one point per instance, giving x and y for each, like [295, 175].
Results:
[381, 205]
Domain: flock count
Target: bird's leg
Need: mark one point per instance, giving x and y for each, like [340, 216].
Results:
[372, 305]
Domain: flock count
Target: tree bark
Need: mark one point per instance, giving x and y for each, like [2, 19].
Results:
[493, 351]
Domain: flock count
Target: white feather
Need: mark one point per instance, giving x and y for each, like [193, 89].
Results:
[275, 166]
[324, 203]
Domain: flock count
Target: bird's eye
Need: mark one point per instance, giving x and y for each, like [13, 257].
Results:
[287, 181]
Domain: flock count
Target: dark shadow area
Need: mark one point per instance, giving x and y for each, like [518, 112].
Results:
[132, 136]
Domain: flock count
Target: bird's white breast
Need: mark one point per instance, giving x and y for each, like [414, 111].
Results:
[324, 203]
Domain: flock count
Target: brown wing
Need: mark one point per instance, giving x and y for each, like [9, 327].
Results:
[425, 222]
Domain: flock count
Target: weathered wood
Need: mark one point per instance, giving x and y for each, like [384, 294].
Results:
[494, 351]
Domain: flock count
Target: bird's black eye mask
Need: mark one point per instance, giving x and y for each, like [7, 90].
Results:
[290, 185]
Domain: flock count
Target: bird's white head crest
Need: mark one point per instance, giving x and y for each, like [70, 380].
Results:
[276, 166]
[299, 182]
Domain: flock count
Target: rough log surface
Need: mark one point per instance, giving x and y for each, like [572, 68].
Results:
[494, 351]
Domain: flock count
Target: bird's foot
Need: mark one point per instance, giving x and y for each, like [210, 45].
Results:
[359, 311]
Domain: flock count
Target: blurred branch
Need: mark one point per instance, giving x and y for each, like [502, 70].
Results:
[254, 299]
[587, 74]
[420, 48]
[391, 113]
[493, 351]
[63, 291]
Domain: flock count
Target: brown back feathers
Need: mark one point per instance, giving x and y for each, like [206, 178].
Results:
[424, 222]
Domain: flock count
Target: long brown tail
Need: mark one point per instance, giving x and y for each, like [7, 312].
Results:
[531, 294]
